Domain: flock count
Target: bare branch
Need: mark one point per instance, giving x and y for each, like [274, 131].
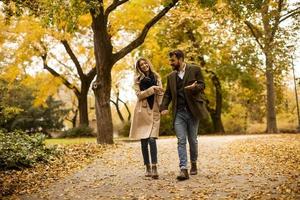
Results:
[290, 14]
[140, 39]
[74, 58]
[113, 6]
[291, 11]
[254, 32]
[59, 61]
[129, 113]
[56, 74]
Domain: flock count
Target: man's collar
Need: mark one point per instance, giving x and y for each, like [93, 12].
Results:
[184, 67]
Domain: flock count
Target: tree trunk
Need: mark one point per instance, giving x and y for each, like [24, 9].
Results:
[102, 86]
[103, 110]
[216, 113]
[74, 119]
[271, 113]
[83, 104]
[83, 109]
[218, 125]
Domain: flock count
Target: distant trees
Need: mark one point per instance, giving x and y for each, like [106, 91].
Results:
[18, 112]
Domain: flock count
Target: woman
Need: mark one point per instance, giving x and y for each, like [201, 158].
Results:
[146, 118]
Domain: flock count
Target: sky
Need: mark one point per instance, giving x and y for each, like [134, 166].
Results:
[296, 61]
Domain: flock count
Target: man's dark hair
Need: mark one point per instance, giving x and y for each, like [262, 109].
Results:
[178, 53]
[202, 61]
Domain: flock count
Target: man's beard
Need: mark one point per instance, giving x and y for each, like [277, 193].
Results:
[176, 67]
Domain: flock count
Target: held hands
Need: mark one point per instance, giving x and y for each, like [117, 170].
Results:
[164, 112]
[157, 89]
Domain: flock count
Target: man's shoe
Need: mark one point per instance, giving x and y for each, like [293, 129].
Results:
[183, 175]
[154, 172]
[148, 171]
[193, 170]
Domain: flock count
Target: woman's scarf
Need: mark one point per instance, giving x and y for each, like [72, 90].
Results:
[147, 82]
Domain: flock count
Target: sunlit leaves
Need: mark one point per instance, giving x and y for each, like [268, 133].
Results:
[85, 20]
[132, 16]
[10, 74]
[44, 85]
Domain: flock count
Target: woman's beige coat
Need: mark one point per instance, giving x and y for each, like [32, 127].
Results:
[145, 122]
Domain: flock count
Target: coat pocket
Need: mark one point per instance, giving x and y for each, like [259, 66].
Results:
[144, 103]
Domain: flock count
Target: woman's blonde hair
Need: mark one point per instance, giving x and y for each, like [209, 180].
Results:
[140, 74]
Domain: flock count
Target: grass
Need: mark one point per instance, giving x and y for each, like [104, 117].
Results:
[69, 141]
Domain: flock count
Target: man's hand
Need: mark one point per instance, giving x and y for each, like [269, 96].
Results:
[164, 112]
[191, 86]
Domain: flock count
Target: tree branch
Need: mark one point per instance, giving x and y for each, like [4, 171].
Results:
[73, 57]
[60, 62]
[113, 6]
[140, 39]
[56, 74]
[252, 27]
[277, 19]
[91, 74]
[291, 11]
[290, 14]
[129, 113]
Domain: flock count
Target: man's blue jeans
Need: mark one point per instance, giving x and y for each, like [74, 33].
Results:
[186, 126]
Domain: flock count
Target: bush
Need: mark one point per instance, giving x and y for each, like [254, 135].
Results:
[124, 130]
[166, 125]
[80, 131]
[19, 150]
[234, 121]
[205, 127]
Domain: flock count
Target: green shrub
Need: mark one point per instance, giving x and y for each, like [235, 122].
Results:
[124, 131]
[234, 121]
[166, 125]
[19, 150]
[80, 131]
[206, 127]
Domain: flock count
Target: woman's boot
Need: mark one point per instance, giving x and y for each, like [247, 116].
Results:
[154, 172]
[148, 171]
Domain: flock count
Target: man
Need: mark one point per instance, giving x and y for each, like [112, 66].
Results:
[185, 87]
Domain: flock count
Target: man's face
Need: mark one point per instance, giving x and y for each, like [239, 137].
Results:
[175, 62]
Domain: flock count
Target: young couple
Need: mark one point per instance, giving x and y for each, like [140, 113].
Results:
[184, 89]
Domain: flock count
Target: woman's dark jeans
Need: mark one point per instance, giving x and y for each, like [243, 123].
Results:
[153, 150]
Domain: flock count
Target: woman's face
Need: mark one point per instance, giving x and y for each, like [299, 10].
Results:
[144, 67]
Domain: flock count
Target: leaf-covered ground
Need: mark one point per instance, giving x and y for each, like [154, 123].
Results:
[70, 158]
[230, 167]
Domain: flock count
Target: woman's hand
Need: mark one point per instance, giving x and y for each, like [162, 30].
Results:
[157, 89]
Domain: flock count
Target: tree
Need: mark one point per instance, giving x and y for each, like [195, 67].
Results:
[34, 40]
[267, 16]
[214, 34]
[18, 109]
[106, 58]
[103, 31]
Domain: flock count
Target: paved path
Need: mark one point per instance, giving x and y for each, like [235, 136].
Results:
[230, 167]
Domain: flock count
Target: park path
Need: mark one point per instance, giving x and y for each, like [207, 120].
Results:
[230, 167]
